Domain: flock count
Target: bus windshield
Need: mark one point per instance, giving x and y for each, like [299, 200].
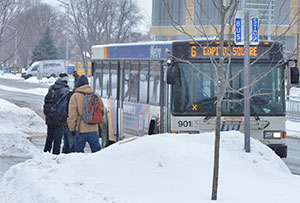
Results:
[195, 90]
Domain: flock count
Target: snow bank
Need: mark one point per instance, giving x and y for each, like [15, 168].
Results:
[15, 125]
[161, 168]
[19, 119]
[48, 81]
[295, 92]
[16, 144]
[293, 129]
[16, 76]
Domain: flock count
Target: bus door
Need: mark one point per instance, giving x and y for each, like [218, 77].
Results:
[130, 81]
[106, 77]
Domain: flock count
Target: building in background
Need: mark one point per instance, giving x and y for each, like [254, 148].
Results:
[194, 19]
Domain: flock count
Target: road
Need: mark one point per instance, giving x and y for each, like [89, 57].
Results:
[293, 156]
[32, 101]
[35, 102]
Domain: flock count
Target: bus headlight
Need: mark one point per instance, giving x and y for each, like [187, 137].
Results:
[272, 134]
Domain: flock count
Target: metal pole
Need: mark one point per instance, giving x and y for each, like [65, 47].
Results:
[246, 83]
[16, 44]
[297, 49]
[129, 37]
[67, 6]
[68, 23]
[269, 22]
[16, 47]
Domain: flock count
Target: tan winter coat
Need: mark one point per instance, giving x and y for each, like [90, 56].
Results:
[76, 109]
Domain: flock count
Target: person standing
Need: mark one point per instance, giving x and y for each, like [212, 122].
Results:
[55, 129]
[75, 76]
[85, 132]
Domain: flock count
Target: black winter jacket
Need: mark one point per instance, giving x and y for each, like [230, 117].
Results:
[63, 87]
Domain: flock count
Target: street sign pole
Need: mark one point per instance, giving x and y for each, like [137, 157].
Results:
[246, 81]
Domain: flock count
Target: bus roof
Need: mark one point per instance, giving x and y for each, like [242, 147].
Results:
[142, 50]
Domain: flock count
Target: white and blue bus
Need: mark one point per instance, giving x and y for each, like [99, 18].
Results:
[159, 87]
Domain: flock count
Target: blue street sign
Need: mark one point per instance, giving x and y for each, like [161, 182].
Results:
[255, 36]
[238, 30]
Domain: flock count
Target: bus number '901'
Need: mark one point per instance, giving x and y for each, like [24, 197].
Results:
[184, 124]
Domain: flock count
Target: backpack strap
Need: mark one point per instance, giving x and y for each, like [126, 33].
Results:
[78, 131]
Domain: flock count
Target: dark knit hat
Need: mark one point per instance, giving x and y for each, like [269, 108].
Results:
[64, 77]
[82, 80]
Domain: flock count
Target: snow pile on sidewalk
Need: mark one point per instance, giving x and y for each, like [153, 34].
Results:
[44, 80]
[21, 119]
[293, 129]
[295, 92]
[160, 168]
[16, 144]
[15, 123]
[16, 76]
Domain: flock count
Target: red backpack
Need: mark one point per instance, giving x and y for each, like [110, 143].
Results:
[92, 109]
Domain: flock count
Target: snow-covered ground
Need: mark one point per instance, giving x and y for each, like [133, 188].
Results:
[16, 124]
[45, 81]
[160, 168]
[293, 129]
[17, 76]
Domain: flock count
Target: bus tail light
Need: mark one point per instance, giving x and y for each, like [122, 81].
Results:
[284, 134]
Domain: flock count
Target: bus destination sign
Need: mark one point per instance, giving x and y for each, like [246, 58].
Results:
[195, 51]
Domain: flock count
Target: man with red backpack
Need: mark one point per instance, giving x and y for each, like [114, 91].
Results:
[85, 115]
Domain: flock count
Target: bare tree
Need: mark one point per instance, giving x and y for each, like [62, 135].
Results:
[220, 24]
[32, 20]
[102, 22]
[8, 9]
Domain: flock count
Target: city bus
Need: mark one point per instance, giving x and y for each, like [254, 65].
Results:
[171, 86]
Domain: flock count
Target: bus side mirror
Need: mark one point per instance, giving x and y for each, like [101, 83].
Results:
[170, 75]
[294, 75]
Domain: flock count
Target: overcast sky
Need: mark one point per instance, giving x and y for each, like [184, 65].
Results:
[145, 5]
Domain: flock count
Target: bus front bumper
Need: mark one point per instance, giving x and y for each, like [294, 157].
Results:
[279, 149]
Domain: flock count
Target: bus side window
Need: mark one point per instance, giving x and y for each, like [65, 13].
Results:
[154, 83]
[114, 80]
[134, 83]
[98, 77]
[126, 80]
[144, 82]
[105, 84]
[97, 84]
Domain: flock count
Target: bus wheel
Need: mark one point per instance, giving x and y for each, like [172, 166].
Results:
[28, 76]
[153, 127]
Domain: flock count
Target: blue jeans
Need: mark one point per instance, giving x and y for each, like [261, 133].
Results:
[54, 135]
[68, 141]
[91, 137]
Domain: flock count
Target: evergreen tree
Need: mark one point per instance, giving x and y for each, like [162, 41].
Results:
[45, 49]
